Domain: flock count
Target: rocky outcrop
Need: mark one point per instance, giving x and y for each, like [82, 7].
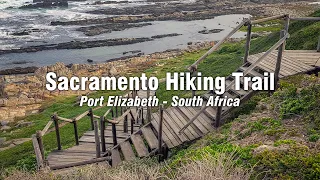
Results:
[109, 27]
[18, 70]
[210, 31]
[86, 44]
[46, 4]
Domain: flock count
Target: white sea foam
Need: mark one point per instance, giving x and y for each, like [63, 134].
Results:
[4, 15]
[315, 2]
[12, 3]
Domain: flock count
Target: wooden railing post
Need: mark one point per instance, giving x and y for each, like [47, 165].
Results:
[132, 124]
[97, 139]
[116, 111]
[248, 42]
[103, 138]
[125, 124]
[114, 130]
[318, 48]
[114, 134]
[286, 28]
[148, 107]
[56, 125]
[193, 73]
[279, 58]
[142, 115]
[91, 118]
[40, 142]
[160, 149]
[112, 113]
[218, 116]
[76, 136]
[37, 152]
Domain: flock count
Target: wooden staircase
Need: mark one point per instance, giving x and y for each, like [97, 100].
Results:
[143, 143]
[127, 137]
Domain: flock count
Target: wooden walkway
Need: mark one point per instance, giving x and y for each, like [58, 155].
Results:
[180, 124]
[86, 150]
[144, 142]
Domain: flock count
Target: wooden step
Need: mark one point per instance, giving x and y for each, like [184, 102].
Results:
[165, 136]
[188, 115]
[139, 145]
[115, 157]
[240, 92]
[252, 72]
[149, 136]
[120, 128]
[192, 128]
[127, 151]
[108, 134]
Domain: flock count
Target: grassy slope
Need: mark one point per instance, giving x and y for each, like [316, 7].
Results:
[287, 124]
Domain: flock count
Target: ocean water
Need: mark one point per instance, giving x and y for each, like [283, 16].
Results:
[13, 19]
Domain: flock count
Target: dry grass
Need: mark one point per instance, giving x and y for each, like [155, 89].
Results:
[221, 166]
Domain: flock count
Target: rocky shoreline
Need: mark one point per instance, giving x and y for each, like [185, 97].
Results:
[86, 44]
[109, 27]
[199, 10]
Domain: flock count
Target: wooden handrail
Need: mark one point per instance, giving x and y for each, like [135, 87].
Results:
[81, 116]
[106, 114]
[306, 19]
[64, 119]
[46, 128]
[268, 19]
[253, 65]
[216, 46]
[96, 116]
[119, 119]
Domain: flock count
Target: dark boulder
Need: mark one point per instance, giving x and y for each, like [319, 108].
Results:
[22, 33]
[211, 31]
[46, 4]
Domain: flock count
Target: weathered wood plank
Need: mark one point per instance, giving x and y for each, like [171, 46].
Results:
[173, 142]
[192, 128]
[139, 145]
[156, 127]
[252, 72]
[171, 134]
[174, 127]
[115, 157]
[203, 119]
[127, 151]
[150, 137]
[179, 124]
[189, 115]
